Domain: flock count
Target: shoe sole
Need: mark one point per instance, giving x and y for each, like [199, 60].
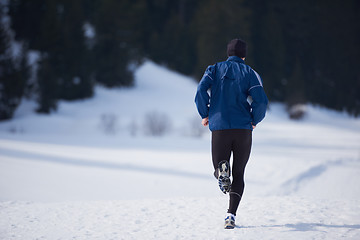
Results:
[229, 227]
[229, 224]
[224, 176]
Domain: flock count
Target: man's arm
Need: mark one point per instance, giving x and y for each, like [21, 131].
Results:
[259, 99]
[202, 98]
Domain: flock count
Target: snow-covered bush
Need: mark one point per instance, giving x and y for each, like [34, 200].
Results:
[156, 123]
[297, 111]
[109, 123]
[133, 128]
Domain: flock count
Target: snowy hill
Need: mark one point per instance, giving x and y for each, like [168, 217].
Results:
[94, 170]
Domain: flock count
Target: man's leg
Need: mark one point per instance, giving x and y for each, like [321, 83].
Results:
[220, 147]
[241, 151]
[221, 151]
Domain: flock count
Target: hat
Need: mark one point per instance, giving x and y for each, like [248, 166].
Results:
[236, 47]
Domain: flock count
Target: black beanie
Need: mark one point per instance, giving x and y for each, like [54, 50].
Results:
[236, 47]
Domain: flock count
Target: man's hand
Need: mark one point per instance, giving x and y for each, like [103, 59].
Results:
[205, 121]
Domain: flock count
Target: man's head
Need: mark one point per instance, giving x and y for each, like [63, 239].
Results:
[236, 47]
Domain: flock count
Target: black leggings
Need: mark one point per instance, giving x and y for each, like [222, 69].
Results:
[238, 142]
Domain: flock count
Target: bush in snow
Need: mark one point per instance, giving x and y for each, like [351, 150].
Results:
[133, 128]
[156, 124]
[15, 129]
[109, 123]
[297, 111]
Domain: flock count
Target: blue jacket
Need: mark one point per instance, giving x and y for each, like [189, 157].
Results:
[237, 99]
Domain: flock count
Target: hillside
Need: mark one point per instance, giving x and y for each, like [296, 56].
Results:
[94, 170]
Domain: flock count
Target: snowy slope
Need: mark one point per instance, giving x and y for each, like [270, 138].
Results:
[157, 90]
[91, 171]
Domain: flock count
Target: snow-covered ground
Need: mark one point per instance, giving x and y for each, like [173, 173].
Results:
[92, 170]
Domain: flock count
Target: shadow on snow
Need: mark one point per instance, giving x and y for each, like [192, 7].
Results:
[304, 227]
[102, 165]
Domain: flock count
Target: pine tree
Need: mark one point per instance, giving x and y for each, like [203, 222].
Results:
[172, 40]
[74, 67]
[336, 55]
[217, 22]
[295, 92]
[118, 32]
[55, 29]
[269, 49]
[50, 40]
[47, 86]
[13, 77]
[26, 21]
[295, 89]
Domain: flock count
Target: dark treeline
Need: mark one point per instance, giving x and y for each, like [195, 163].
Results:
[306, 51]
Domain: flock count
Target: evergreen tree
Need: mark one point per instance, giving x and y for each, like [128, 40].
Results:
[26, 21]
[50, 40]
[295, 87]
[172, 41]
[55, 28]
[118, 32]
[269, 49]
[13, 76]
[74, 66]
[47, 86]
[336, 55]
[217, 22]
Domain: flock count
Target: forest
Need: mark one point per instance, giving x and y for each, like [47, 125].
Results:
[306, 51]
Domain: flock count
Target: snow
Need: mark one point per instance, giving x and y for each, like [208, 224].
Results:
[180, 218]
[91, 171]
[89, 30]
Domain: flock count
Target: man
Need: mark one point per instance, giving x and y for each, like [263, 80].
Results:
[236, 104]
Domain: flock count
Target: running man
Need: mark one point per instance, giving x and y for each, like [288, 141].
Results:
[236, 104]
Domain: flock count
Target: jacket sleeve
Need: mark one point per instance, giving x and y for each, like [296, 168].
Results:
[259, 99]
[202, 98]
